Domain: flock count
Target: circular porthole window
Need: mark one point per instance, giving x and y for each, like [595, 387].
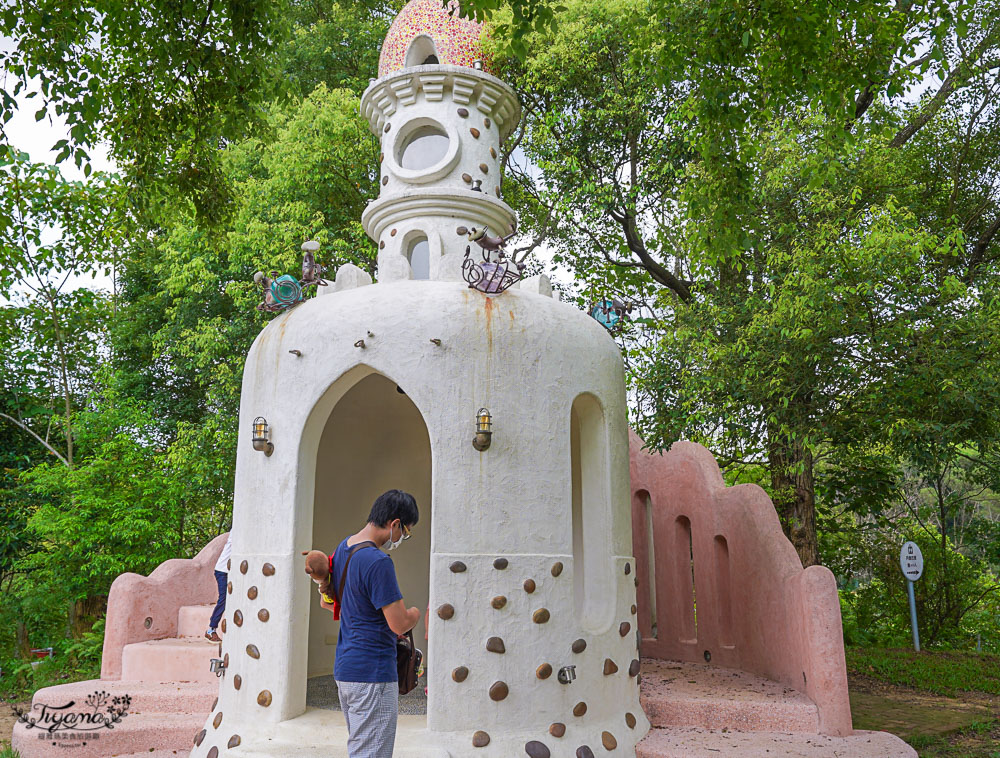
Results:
[425, 150]
[424, 147]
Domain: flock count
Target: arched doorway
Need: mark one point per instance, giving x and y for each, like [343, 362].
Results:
[374, 440]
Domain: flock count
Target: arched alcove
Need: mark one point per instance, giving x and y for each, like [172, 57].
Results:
[593, 586]
[374, 440]
[421, 52]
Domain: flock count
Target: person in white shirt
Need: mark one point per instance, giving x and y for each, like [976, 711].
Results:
[221, 578]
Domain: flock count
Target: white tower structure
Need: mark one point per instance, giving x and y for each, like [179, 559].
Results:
[523, 549]
[441, 119]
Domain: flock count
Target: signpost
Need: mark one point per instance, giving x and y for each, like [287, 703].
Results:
[911, 561]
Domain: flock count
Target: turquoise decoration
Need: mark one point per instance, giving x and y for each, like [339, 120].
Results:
[286, 290]
[607, 313]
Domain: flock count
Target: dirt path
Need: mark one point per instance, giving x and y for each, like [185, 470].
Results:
[7, 720]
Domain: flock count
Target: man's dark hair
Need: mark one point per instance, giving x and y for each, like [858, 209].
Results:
[392, 505]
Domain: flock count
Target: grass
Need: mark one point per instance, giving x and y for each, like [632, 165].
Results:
[947, 673]
[25, 681]
[978, 740]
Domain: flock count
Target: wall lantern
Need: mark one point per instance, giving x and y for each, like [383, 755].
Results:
[484, 430]
[261, 434]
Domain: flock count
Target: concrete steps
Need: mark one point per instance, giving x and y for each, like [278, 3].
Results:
[686, 742]
[176, 659]
[675, 694]
[192, 620]
[145, 697]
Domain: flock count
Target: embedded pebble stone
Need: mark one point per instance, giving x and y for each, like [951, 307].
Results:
[460, 674]
[244, 566]
[544, 671]
[462, 230]
[457, 567]
[633, 609]
[579, 709]
[238, 617]
[229, 588]
[252, 651]
[252, 593]
[234, 741]
[267, 569]
[467, 178]
[263, 614]
[609, 741]
[217, 720]
[630, 720]
[633, 668]
[498, 602]
[385, 180]
[536, 749]
[497, 191]
[474, 131]
[610, 667]
[495, 645]
[237, 681]
[484, 168]
[215, 704]
[393, 232]
[480, 739]
[381, 245]
[229, 564]
[557, 568]
[486, 123]
[579, 646]
[213, 753]
[264, 698]
[463, 113]
[628, 569]
[500, 564]
[223, 625]
[493, 152]
[225, 662]
[624, 628]
[498, 691]
[199, 738]
[387, 128]
[637, 581]
[529, 585]
[584, 751]
[541, 616]
[557, 729]
[446, 611]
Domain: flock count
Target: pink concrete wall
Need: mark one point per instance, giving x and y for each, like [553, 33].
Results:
[158, 597]
[748, 601]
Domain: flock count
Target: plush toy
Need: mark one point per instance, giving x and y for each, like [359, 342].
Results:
[318, 568]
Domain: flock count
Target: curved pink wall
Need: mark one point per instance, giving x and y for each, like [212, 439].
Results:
[752, 605]
[158, 597]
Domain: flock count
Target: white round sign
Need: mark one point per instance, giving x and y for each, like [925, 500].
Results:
[911, 561]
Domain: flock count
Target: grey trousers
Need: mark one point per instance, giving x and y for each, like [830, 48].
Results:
[371, 710]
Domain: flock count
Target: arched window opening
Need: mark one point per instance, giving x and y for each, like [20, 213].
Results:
[418, 252]
[424, 147]
[421, 52]
[593, 585]
[684, 574]
[724, 591]
[651, 565]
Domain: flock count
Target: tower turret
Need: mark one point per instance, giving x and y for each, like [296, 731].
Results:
[442, 119]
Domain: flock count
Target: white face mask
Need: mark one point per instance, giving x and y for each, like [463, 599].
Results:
[390, 544]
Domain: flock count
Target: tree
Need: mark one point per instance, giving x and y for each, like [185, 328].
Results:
[789, 256]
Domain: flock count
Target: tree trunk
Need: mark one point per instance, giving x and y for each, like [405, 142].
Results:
[83, 614]
[795, 496]
[23, 644]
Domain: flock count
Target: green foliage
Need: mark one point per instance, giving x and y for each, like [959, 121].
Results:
[161, 83]
[943, 673]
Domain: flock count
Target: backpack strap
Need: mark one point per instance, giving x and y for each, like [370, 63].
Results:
[343, 576]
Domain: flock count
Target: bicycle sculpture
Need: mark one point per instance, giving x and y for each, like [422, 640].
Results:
[285, 291]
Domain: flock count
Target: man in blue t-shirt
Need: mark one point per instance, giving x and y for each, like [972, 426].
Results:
[372, 615]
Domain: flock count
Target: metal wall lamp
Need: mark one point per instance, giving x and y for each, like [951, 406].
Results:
[484, 430]
[261, 436]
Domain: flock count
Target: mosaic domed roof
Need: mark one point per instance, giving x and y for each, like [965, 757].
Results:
[456, 41]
